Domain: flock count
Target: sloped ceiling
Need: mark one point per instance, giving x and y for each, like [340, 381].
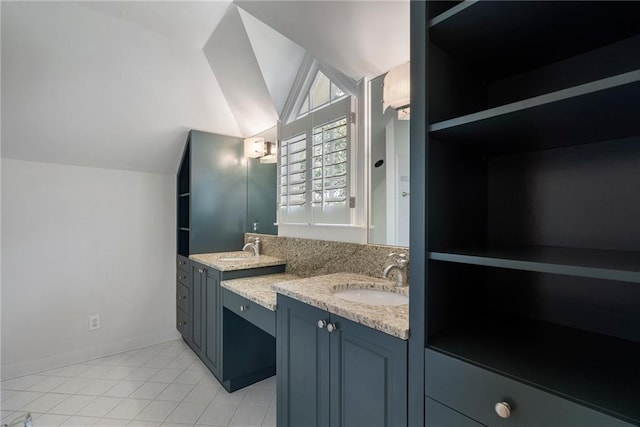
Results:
[278, 57]
[235, 66]
[358, 38]
[85, 88]
[118, 84]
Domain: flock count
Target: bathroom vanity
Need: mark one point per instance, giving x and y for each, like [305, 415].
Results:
[237, 352]
[340, 363]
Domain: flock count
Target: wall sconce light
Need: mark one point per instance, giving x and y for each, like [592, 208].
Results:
[396, 91]
[258, 148]
[254, 148]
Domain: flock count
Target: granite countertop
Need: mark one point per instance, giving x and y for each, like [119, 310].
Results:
[316, 291]
[258, 288]
[244, 260]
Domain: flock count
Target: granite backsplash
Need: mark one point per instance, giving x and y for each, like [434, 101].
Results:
[309, 257]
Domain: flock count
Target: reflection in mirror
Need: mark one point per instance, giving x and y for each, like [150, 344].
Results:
[261, 191]
[388, 172]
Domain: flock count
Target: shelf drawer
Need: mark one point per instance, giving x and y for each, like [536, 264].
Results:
[183, 323]
[474, 392]
[182, 263]
[438, 415]
[182, 277]
[260, 316]
[182, 297]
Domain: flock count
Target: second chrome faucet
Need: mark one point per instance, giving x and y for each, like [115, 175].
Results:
[255, 245]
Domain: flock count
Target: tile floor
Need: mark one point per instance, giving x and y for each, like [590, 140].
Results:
[162, 385]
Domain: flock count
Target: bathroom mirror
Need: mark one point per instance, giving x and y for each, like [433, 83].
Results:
[388, 164]
[262, 191]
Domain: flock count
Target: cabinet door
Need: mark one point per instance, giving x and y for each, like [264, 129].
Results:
[302, 365]
[198, 283]
[211, 322]
[368, 377]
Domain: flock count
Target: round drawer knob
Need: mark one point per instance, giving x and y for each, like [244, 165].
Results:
[503, 409]
[322, 323]
[331, 327]
[243, 308]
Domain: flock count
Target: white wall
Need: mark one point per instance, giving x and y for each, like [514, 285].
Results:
[79, 241]
[0, 197]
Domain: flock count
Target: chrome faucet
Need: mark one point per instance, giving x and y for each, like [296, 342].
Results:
[254, 244]
[400, 265]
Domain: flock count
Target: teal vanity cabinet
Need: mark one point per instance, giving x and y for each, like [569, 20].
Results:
[235, 351]
[335, 372]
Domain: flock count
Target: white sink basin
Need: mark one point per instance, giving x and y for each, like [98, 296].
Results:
[372, 296]
[235, 258]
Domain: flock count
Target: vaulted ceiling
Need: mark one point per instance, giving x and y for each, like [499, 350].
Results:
[118, 84]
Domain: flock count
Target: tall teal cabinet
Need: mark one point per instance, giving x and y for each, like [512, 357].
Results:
[525, 244]
[211, 215]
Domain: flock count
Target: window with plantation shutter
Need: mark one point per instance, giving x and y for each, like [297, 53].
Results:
[329, 164]
[315, 165]
[293, 167]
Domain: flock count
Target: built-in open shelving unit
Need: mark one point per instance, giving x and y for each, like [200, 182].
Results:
[533, 194]
[210, 216]
[183, 216]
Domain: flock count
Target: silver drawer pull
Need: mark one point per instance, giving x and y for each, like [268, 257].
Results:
[200, 270]
[331, 327]
[503, 409]
[244, 307]
[322, 323]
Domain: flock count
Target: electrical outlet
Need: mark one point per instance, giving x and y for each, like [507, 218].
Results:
[94, 322]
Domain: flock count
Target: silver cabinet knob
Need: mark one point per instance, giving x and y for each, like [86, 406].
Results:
[331, 327]
[322, 323]
[200, 270]
[503, 409]
[244, 308]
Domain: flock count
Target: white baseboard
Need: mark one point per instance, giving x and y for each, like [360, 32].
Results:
[78, 356]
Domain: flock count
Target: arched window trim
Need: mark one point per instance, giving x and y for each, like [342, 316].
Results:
[305, 78]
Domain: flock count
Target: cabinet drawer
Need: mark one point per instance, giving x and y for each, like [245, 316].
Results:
[438, 415]
[182, 297]
[260, 316]
[182, 263]
[182, 277]
[183, 323]
[474, 392]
